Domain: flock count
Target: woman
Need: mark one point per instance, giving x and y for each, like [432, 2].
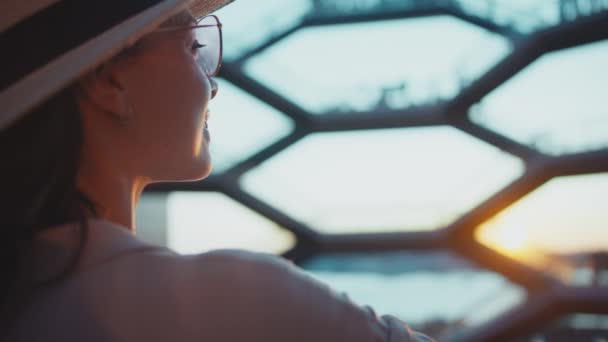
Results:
[100, 99]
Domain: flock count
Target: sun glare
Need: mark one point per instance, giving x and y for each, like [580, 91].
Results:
[510, 237]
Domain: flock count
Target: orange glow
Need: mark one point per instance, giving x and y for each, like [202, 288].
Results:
[508, 236]
[513, 239]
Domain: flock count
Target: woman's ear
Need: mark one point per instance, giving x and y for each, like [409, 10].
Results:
[106, 90]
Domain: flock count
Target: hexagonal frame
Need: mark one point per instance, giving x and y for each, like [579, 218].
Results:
[547, 296]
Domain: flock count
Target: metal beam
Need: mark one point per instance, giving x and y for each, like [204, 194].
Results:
[301, 230]
[524, 53]
[535, 175]
[266, 44]
[532, 280]
[302, 252]
[258, 158]
[505, 143]
[484, 23]
[408, 13]
[585, 30]
[234, 73]
[577, 164]
[371, 17]
[410, 117]
[528, 49]
[379, 242]
[530, 316]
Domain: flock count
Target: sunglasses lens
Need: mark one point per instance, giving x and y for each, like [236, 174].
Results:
[210, 38]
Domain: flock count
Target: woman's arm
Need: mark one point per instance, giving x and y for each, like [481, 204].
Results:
[270, 299]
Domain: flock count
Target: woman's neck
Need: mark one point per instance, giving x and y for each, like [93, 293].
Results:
[114, 194]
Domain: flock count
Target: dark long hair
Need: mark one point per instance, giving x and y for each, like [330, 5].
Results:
[40, 157]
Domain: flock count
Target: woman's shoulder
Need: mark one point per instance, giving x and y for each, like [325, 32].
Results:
[236, 261]
[230, 268]
[275, 300]
[111, 248]
[127, 256]
[203, 296]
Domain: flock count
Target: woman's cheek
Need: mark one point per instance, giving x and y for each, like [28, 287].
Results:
[200, 92]
[197, 92]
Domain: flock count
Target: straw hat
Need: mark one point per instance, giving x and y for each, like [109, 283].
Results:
[46, 44]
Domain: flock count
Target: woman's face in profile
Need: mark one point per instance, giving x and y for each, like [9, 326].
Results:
[167, 94]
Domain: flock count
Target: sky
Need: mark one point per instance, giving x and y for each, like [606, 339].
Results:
[410, 179]
[407, 179]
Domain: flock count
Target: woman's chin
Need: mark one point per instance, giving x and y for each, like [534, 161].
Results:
[195, 171]
[201, 170]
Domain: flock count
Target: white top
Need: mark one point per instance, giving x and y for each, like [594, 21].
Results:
[128, 290]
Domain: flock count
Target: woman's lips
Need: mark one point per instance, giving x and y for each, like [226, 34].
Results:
[206, 128]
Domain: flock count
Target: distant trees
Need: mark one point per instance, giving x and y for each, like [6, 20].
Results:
[572, 9]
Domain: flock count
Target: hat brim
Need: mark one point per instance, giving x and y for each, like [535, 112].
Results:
[200, 8]
[39, 85]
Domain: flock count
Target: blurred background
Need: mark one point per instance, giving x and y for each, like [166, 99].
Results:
[444, 161]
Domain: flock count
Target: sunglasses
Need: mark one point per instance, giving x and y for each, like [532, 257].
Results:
[208, 32]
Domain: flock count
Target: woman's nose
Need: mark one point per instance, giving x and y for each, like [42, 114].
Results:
[214, 87]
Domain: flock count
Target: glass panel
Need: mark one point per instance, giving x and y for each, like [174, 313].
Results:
[199, 222]
[377, 65]
[557, 104]
[151, 218]
[522, 15]
[251, 23]
[437, 293]
[337, 8]
[575, 327]
[559, 228]
[241, 125]
[372, 181]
